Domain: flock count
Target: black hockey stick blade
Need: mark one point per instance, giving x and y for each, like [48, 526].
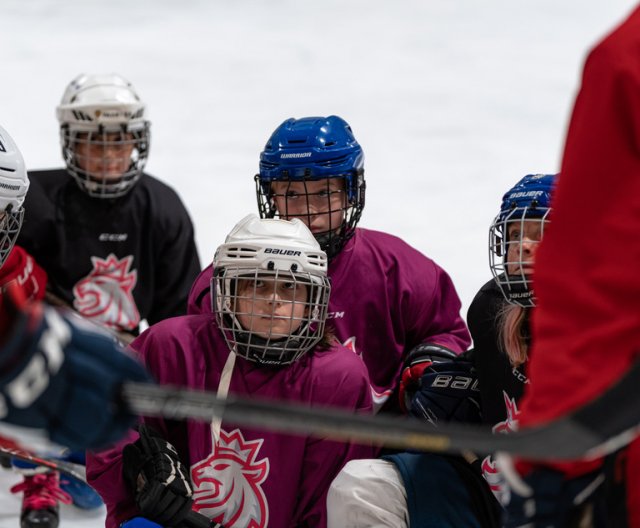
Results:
[595, 429]
[77, 471]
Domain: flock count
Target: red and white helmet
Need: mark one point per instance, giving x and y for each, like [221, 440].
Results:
[270, 251]
[13, 189]
[103, 111]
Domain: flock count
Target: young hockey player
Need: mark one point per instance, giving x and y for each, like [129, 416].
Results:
[268, 341]
[117, 244]
[587, 327]
[55, 373]
[387, 297]
[420, 489]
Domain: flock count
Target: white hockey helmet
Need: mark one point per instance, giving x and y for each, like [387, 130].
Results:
[99, 113]
[267, 251]
[13, 189]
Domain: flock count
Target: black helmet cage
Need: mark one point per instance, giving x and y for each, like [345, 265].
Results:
[277, 348]
[333, 240]
[102, 187]
[10, 223]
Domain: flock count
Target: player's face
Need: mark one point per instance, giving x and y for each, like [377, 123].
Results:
[104, 156]
[523, 240]
[320, 204]
[271, 308]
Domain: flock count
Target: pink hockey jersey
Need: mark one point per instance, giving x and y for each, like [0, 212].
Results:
[251, 478]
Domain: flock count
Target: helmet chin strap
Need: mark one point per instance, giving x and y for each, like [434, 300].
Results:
[222, 392]
[518, 292]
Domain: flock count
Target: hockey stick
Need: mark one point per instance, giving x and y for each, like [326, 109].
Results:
[595, 429]
[77, 471]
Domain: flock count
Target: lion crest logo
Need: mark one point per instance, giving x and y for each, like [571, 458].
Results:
[510, 424]
[227, 484]
[105, 294]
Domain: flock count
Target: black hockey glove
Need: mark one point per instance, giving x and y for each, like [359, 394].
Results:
[159, 481]
[448, 392]
[421, 357]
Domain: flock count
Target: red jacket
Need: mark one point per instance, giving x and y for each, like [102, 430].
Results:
[586, 327]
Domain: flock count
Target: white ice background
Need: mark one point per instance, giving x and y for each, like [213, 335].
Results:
[452, 101]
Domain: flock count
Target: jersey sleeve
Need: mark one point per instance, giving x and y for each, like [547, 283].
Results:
[22, 268]
[586, 327]
[436, 307]
[177, 263]
[104, 468]
[104, 474]
[37, 234]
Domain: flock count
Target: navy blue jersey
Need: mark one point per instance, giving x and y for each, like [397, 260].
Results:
[115, 261]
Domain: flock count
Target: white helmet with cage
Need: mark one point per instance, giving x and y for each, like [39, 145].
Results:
[271, 256]
[104, 133]
[13, 189]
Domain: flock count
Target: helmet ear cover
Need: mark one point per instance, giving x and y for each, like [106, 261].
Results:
[528, 201]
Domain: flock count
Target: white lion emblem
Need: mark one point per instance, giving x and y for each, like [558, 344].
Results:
[226, 484]
[105, 294]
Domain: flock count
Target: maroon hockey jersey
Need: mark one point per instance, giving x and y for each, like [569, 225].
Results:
[250, 478]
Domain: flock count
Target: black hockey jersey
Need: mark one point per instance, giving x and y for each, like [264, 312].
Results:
[115, 261]
[501, 384]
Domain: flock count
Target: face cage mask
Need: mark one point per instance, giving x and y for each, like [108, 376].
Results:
[283, 343]
[106, 149]
[517, 287]
[10, 225]
[332, 240]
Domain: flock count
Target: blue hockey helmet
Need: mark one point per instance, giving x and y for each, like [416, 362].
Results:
[314, 149]
[524, 212]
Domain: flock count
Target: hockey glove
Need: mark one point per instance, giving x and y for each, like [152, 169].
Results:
[546, 498]
[62, 374]
[158, 479]
[421, 357]
[448, 392]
